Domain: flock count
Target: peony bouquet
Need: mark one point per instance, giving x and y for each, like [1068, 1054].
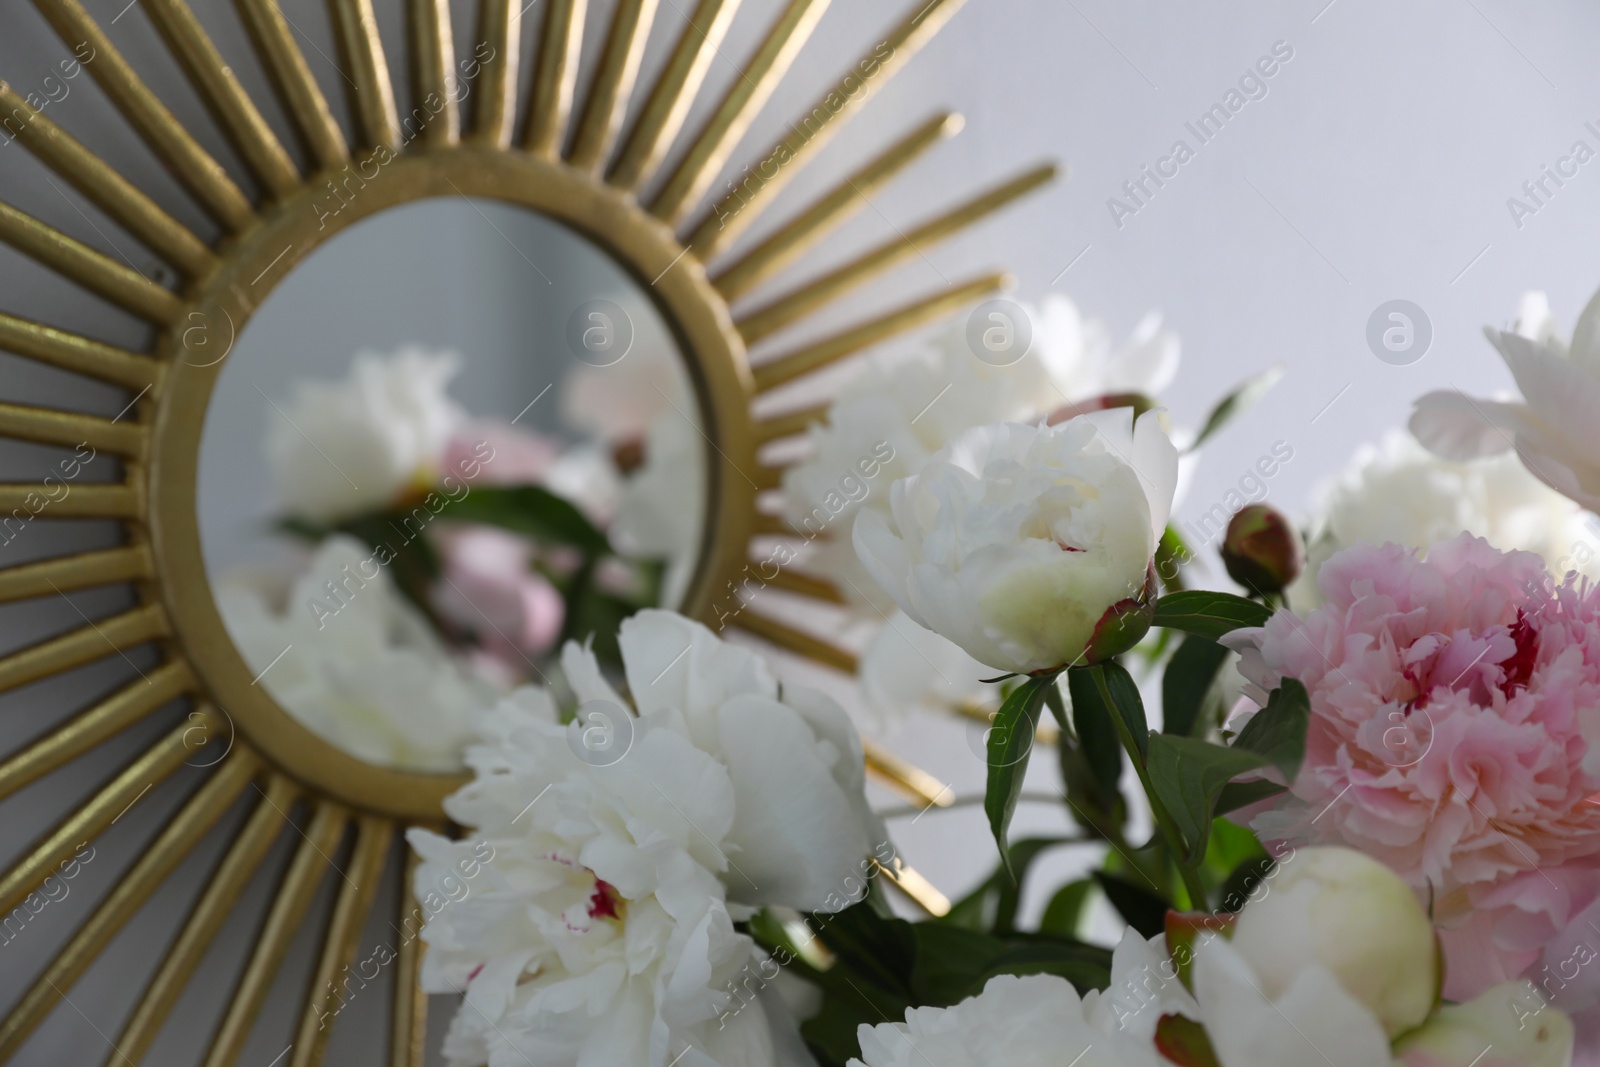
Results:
[1346, 810]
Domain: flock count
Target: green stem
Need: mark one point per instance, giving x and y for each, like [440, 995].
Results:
[1158, 810]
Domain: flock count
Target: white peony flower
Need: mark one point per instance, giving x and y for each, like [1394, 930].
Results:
[1552, 428]
[602, 932]
[349, 657]
[1506, 1026]
[1349, 915]
[901, 408]
[1016, 541]
[338, 449]
[1036, 1021]
[1399, 491]
[1253, 1023]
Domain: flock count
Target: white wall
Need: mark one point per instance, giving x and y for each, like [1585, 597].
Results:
[1378, 166]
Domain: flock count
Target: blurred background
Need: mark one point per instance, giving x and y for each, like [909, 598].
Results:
[1384, 159]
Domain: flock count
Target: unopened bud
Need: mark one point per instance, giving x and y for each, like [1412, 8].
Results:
[1262, 551]
[1124, 623]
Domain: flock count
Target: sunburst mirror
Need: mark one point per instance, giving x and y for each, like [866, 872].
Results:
[639, 268]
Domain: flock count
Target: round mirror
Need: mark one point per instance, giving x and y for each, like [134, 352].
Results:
[417, 482]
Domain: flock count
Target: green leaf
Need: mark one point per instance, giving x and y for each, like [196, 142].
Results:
[992, 907]
[1187, 683]
[1064, 914]
[1010, 745]
[1188, 776]
[1237, 402]
[1236, 795]
[1085, 966]
[881, 950]
[1126, 703]
[1278, 731]
[1092, 722]
[1209, 613]
[532, 511]
[1171, 554]
[1144, 910]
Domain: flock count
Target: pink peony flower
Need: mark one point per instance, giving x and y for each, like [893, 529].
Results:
[1449, 696]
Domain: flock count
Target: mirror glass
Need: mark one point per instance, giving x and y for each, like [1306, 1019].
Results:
[454, 437]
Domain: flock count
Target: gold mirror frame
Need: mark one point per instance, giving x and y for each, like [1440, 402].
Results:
[576, 165]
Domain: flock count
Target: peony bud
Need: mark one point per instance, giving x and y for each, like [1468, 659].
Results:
[1507, 1026]
[1262, 551]
[1014, 540]
[1124, 623]
[1340, 909]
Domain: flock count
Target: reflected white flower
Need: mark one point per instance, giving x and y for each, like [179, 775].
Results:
[1552, 427]
[602, 932]
[1017, 542]
[661, 506]
[343, 652]
[340, 448]
[901, 408]
[1399, 491]
[906, 668]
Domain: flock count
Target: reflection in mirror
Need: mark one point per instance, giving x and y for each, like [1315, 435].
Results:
[455, 437]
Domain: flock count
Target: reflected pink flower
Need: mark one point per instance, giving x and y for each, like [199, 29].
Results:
[1450, 698]
[500, 454]
[489, 588]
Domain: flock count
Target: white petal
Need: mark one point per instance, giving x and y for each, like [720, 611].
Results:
[796, 838]
[1456, 427]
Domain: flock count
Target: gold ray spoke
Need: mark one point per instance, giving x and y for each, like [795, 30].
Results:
[433, 74]
[674, 92]
[613, 82]
[555, 78]
[265, 825]
[917, 889]
[80, 355]
[223, 96]
[806, 585]
[716, 139]
[155, 862]
[768, 477]
[294, 83]
[202, 175]
[817, 126]
[99, 812]
[905, 777]
[787, 368]
[101, 183]
[785, 311]
[70, 429]
[306, 871]
[343, 939]
[839, 204]
[361, 50]
[500, 28]
[778, 526]
[20, 503]
[111, 716]
[799, 642]
[64, 574]
[99, 274]
[97, 640]
[408, 1031]
[790, 423]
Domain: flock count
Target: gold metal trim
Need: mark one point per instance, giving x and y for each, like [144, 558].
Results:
[616, 187]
